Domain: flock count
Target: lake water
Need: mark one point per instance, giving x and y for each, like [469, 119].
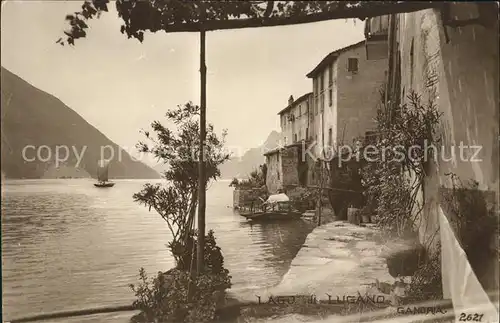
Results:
[67, 245]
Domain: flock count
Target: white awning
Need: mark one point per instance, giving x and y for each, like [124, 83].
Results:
[277, 198]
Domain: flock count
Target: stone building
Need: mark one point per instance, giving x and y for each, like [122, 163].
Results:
[294, 119]
[346, 91]
[340, 109]
[286, 165]
[450, 56]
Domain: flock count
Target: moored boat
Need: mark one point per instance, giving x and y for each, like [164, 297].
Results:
[273, 216]
[276, 208]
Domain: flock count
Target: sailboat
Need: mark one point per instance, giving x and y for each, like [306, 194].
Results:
[102, 175]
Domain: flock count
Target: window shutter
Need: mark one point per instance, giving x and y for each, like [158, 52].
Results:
[352, 65]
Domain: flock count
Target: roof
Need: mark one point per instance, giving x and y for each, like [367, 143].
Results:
[331, 57]
[272, 152]
[279, 149]
[300, 99]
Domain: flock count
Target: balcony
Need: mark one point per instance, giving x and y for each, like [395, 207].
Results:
[376, 35]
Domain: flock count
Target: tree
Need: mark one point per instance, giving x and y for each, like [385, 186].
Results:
[177, 295]
[263, 171]
[256, 179]
[184, 16]
[234, 182]
[177, 201]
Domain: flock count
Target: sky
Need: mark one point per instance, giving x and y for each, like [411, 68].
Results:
[120, 85]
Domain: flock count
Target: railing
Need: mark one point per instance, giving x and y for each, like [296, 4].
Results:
[377, 27]
[260, 207]
[253, 207]
[67, 314]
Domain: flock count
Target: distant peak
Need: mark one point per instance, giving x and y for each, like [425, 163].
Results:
[272, 140]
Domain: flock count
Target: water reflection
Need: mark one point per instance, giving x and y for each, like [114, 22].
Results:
[43, 214]
[284, 240]
[67, 245]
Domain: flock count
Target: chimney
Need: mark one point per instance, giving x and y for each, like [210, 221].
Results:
[290, 100]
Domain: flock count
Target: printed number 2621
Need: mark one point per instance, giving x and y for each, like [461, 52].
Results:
[470, 317]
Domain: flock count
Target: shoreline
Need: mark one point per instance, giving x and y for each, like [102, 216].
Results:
[337, 257]
[338, 260]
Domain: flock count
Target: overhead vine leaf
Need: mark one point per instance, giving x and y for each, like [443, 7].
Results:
[140, 16]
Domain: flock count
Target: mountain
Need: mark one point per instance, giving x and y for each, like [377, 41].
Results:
[160, 168]
[35, 121]
[242, 166]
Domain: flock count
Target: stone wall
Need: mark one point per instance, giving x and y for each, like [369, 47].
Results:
[464, 86]
[290, 159]
[274, 172]
[283, 169]
[459, 72]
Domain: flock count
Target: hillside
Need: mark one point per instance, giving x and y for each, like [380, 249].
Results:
[242, 166]
[33, 117]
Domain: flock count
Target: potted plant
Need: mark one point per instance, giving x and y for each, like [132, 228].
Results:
[366, 218]
[352, 214]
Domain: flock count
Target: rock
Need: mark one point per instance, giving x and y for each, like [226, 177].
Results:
[406, 261]
[384, 287]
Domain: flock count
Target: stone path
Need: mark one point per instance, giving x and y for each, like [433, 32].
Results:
[338, 259]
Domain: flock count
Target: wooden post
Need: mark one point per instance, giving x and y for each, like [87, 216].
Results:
[320, 195]
[201, 164]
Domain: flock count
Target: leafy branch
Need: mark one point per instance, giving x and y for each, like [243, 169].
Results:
[177, 201]
[140, 16]
[394, 179]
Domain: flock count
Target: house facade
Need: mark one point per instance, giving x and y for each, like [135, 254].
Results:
[285, 168]
[346, 91]
[294, 119]
[340, 109]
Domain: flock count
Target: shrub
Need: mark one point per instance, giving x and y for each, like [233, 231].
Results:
[303, 199]
[393, 181]
[426, 282]
[178, 296]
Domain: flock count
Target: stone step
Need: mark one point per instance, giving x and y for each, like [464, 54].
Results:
[308, 215]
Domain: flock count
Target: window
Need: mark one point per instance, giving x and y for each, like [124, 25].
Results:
[278, 175]
[284, 142]
[330, 75]
[322, 103]
[370, 137]
[330, 97]
[307, 133]
[330, 137]
[295, 138]
[315, 87]
[300, 134]
[300, 110]
[316, 104]
[321, 82]
[411, 64]
[352, 65]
